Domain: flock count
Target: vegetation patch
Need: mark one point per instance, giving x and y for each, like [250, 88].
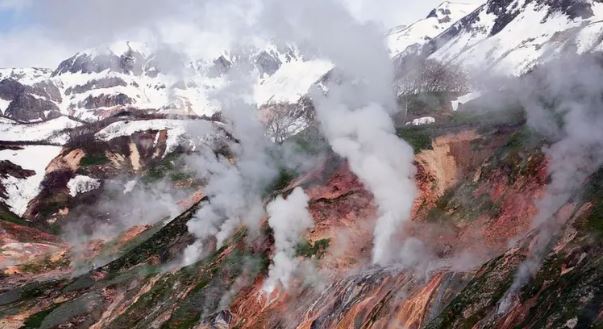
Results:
[157, 245]
[418, 137]
[94, 160]
[169, 167]
[308, 249]
[9, 216]
[594, 194]
[284, 178]
[43, 265]
[463, 204]
[479, 296]
[35, 320]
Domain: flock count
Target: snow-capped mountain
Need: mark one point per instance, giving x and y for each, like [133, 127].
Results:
[97, 83]
[511, 37]
[410, 38]
[42, 106]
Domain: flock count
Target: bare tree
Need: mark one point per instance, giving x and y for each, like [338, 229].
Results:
[284, 120]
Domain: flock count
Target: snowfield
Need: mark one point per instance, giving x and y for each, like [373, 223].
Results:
[533, 37]
[291, 82]
[49, 131]
[21, 191]
[419, 33]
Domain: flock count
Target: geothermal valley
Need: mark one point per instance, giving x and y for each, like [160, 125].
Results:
[301, 164]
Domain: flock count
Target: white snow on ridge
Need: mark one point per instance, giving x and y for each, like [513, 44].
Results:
[291, 82]
[21, 191]
[49, 131]
[419, 33]
[82, 184]
[589, 38]
[536, 35]
[26, 76]
[160, 92]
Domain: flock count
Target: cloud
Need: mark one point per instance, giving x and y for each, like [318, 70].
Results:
[32, 47]
[16, 5]
[55, 29]
[389, 13]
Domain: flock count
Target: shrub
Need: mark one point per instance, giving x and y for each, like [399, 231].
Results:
[417, 137]
[93, 160]
[308, 249]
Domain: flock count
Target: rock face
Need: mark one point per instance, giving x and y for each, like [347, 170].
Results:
[131, 61]
[37, 102]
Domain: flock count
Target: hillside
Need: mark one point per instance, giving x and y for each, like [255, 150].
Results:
[448, 174]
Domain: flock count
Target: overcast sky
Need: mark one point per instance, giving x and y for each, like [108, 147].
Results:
[44, 32]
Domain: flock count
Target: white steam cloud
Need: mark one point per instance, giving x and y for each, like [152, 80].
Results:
[566, 107]
[235, 185]
[355, 111]
[289, 219]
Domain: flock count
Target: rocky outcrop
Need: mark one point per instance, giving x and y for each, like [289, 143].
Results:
[96, 84]
[131, 62]
[37, 102]
[106, 100]
[29, 108]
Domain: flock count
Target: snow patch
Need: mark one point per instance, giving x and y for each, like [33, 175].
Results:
[464, 100]
[50, 131]
[4, 105]
[290, 82]
[129, 186]
[82, 184]
[421, 121]
[21, 191]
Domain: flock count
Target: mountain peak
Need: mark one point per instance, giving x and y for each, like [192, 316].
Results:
[401, 38]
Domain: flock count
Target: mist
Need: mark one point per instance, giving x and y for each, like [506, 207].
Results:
[120, 206]
[563, 103]
[235, 184]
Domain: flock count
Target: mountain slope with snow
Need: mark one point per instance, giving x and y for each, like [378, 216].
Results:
[408, 38]
[21, 189]
[98, 83]
[511, 37]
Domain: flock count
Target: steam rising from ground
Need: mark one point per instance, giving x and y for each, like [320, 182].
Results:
[289, 219]
[235, 185]
[118, 209]
[354, 113]
[566, 109]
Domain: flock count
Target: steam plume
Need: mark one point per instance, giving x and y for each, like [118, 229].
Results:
[234, 185]
[355, 111]
[569, 89]
[289, 218]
